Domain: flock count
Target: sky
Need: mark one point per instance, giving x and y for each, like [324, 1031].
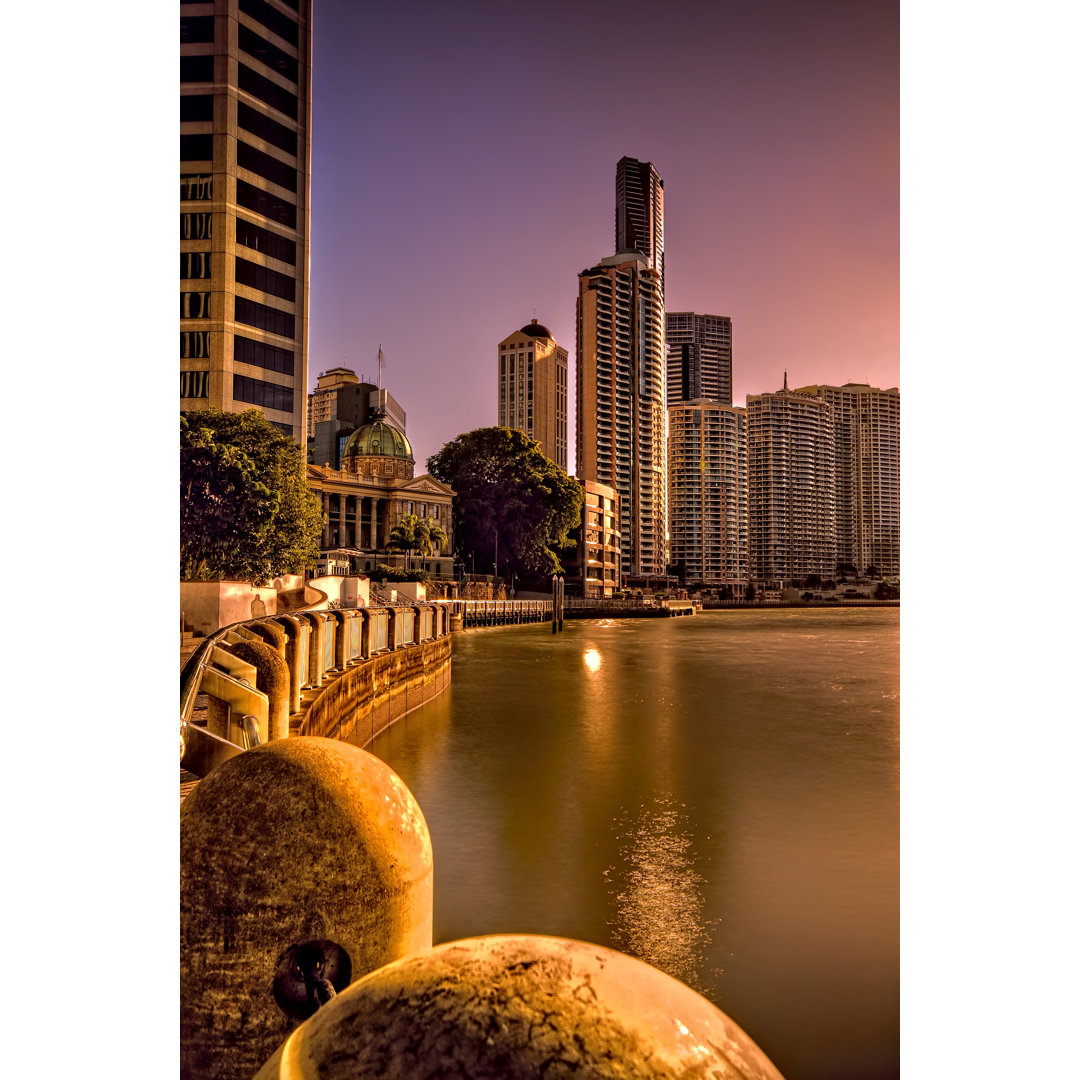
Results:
[463, 174]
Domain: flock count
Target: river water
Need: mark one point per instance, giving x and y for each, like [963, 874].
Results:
[717, 795]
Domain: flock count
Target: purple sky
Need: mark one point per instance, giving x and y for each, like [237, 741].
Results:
[463, 173]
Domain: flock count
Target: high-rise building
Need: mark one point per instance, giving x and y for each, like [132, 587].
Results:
[322, 401]
[245, 122]
[339, 404]
[707, 494]
[620, 401]
[639, 212]
[594, 569]
[532, 388]
[866, 425]
[792, 482]
[698, 357]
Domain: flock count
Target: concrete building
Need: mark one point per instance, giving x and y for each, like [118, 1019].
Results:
[698, 357]
[533, 389]
[339, 405]
[639, 212]
[708, 494]
[792, 484]
[596, 569]
[245, 122]
[372, 491]
[866, 426]
[620, 401]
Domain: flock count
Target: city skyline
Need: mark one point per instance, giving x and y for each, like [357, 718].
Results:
[443, 175]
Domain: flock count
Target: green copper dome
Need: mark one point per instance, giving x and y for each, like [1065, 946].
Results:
[378, 438]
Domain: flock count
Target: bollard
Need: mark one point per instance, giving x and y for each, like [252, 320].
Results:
[517, 1007]
[304, 844]
[272, 678]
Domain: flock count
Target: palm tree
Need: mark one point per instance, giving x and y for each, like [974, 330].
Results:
[414, 533]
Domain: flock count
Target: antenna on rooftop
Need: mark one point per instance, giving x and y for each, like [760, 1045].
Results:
[380, 366]
[785, 380]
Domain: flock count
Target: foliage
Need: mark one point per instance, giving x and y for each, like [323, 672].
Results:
[751, 592]
[511, 496]
[887, 590]
[414, 533]
[246, 512]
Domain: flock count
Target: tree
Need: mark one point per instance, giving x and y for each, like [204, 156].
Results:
[813, 581]
[512, 502]
[246, 512]
[414, 533]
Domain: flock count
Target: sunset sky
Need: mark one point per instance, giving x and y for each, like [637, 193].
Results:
[463, 173]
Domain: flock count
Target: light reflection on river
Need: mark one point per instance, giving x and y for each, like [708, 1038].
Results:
[715, 794]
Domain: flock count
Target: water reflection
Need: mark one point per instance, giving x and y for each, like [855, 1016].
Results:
[592, 659]
[659, 906]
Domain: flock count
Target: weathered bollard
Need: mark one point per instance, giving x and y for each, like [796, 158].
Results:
[272, 678]
[304, 863]
[517, 1007]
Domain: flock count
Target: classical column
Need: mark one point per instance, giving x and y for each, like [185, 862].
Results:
[326, 519]
[342, 527]
[357, 522]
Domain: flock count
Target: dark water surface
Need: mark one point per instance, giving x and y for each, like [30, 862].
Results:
[717, 795]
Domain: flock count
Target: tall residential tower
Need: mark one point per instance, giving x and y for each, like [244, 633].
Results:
[698, 357]
[620, 401]
[532, 388]
[639, 212]
[245, 161]
[792, 482]
[866, 426]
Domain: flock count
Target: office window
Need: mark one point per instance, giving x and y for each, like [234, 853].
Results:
[265, 395]
[194, 384]
[194, 305]
[196, 187]
[258, 353]
[262, 317]
[196, 107]
[194, 344]
[196, 147]
[195, 226]
[275, 96]
[194, 264]
[267, 54]
[270, 168]
[263, 202]
[195, 28]
[265, 279]
[196, 69]
[261, 125]
[272, 19]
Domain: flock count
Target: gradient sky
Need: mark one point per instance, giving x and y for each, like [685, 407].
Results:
[463, 173]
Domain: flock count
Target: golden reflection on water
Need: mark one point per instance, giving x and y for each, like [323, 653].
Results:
[659, 905]
[592, 659]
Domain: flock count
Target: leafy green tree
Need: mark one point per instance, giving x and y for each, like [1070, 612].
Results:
[246, 512]
[414, 533]
[510, 499]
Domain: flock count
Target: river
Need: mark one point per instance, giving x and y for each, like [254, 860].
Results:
[717, 795]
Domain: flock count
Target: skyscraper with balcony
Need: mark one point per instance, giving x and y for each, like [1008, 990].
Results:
[866, 426]
[620, 401]
[639, 212]
[707, 494]
[792, 486]
[245, 121]
[698, 357]
[532, 376]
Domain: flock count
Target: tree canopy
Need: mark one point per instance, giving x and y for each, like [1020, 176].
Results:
[246, 512]
[510, 497]
[414, 533]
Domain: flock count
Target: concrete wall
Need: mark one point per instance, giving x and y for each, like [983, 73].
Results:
[209, 605]
[371, 695]
[351, 590]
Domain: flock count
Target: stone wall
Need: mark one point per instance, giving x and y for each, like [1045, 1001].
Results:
[367, 697]
[209, 605]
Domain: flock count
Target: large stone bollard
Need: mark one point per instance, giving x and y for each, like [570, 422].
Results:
[518, 1007]
[308, 845]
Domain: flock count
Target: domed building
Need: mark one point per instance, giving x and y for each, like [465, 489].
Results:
[372, 491]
